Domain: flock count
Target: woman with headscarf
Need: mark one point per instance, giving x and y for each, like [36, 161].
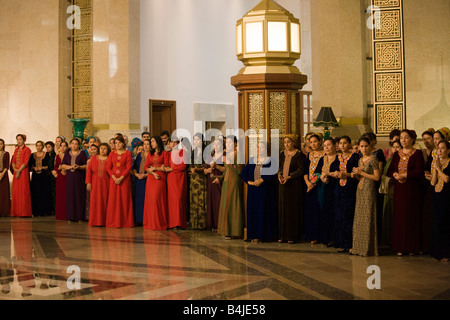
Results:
[21, 194]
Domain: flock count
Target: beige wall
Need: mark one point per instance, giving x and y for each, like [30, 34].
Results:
[338, 46]
[427, 54]
[116, 63]
[29, 69]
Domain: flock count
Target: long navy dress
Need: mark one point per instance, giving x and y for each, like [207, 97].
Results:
[440, 241]
[328, 202]
[262, 211]
[312, 205]
[345, 204]
[40, 187]
[139, 194]
[75, 187]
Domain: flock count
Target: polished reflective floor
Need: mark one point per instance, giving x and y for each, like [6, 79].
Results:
[38, 256]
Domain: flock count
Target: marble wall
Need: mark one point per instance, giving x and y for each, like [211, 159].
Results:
[427, 55]
[29, 81]
[116, 68]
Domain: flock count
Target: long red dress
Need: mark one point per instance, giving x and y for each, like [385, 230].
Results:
[5, 196]
[21, 194]
[406, 222]
[60, 195]
[119, 213]
[98, 177]
[155, 208]
[177, 191]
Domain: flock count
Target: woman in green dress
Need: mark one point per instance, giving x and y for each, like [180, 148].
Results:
[231, 214]
[197, 186]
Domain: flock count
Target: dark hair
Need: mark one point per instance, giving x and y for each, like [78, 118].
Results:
[365, 139]
[337, 139]
[316, 136]
[332, 140]
[160, 145]
[1, 140]
[107, 147]
[165, 133]
[77, 140]
[144, 133]
[394, 142]
[96, 146]
[120, 139]
[371, 136]
[50, 143]
[24, 137]
[394, 133]
[411, 133]
[430, 132]
[64, 141]
[447, 144]
[349, 140]
[441, 134]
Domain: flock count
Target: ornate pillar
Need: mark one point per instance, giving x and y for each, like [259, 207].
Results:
[388, 67]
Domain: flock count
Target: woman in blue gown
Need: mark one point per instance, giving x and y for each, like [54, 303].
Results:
[140, 184]
[345, 196]
[312, 180]
[330, 167]
[262, 213]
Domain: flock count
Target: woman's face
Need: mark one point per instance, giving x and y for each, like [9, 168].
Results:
[93, 150]
[119, 145]
[49, 148]
[58, 142]
[230, 144]
[39, 147]
[329, 147]
[288, 144]
[20, 141]
[74, 145]
[147, 146]
[2, 146]
[103, 151]
[261, 149]
[428, 141]
[154, 144]
[63, 148]
[112, 144]
[437, 138]
[218, 146]
[406, 141]
[365, 148]
[396, 147]
[307, 143]
[442, 151]
[197, 142]
[355, 148]
[344, 146]
[314, 143]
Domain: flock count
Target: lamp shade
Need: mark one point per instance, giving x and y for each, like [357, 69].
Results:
[326, 118]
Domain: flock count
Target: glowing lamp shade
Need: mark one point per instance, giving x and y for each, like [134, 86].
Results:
[277, 36]
[295, 37]
[254, 37]
[239, 39]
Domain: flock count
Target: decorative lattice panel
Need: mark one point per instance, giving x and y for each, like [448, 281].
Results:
[389, 67]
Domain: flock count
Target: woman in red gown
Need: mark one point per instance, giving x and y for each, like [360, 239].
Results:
[155, 208]
[5, 199]
[21, 194]
[176, 187]
[407, 169]
[119, 213]
[97, 181]
[60, 174]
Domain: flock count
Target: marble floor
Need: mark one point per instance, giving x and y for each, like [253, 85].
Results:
[36, 257]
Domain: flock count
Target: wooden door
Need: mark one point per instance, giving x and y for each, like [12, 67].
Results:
[163, 116]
